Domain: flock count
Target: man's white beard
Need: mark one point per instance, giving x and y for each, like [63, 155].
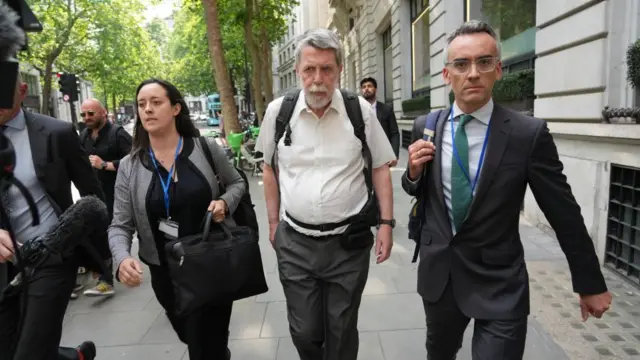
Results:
[317, 102]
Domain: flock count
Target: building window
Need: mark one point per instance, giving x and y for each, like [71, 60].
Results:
[421, 55]
[515, 23]
[417, 7]
[623, 229]
[388, 65]
[32, 84]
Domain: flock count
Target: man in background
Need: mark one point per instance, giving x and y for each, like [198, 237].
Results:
[106, 144]
[385, 114]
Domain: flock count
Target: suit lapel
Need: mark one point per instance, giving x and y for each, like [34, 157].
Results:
[379, 113]
[437, 166]
[38, 140]
[500, 129]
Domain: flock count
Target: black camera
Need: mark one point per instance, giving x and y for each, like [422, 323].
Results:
[16, 19]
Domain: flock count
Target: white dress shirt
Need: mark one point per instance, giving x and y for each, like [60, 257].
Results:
[476, 130]
[321, 173]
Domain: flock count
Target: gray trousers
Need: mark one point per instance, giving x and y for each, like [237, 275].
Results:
[323, 285]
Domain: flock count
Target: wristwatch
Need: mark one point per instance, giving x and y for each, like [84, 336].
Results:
[103, 165]
[391, 223]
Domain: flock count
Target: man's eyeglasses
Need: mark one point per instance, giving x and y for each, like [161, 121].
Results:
[90, 113]
[463, 66]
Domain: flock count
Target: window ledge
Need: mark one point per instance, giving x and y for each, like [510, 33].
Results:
[629, 133]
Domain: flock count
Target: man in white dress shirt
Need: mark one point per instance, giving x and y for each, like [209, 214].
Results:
[318, 185]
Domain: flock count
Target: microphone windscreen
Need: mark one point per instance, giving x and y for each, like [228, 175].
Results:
[12, 37]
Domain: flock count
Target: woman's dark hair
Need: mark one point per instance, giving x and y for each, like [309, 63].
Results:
[184, 125]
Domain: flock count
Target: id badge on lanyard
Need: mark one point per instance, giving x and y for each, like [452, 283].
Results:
[167, 226]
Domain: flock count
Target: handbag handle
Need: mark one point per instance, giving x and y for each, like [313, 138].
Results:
[208, 220]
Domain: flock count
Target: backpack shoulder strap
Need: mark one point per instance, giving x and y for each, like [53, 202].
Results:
[282, 124]
[354, 112]
[286, 111]
[430, 125]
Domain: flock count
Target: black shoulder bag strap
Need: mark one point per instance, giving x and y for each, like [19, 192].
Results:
[204, 144]
[282, 122]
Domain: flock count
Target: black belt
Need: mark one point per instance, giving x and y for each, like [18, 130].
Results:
[320, 227]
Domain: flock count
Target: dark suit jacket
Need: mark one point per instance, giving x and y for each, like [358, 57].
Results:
[387, 119]
[59, 160]
[485, 260]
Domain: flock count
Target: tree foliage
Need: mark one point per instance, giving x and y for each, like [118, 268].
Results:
[188, 54]
[100, 40]
[109, 43]
[509, 17]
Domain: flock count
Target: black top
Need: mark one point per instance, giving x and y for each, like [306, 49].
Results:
[111, 149]
[189, 198]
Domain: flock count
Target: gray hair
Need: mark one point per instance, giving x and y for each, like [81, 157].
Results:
[472, 27]
[319, 39]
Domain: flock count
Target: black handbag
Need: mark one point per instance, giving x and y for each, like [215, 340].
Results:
[215, 266]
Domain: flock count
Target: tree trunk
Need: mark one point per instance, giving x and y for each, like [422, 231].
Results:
[256, 63]
[46, 90]
[220, 72]
[267, 69]
[113, 101]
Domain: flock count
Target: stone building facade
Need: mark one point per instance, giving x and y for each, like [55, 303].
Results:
[575, 51]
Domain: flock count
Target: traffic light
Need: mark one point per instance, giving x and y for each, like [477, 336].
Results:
[69, 86]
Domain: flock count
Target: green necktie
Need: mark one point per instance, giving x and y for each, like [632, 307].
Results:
[461, 194]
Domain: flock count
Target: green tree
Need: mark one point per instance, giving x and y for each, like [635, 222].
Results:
[265, 22]
[120, 53]
[188, 55]
[65, 25]
[159, 32]
[220, 69]
[100, 40]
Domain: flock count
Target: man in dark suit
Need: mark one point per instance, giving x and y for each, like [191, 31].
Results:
[48, 158]
[385, 114]
[471, 257]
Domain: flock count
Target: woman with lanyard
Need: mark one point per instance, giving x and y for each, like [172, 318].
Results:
[163, 189]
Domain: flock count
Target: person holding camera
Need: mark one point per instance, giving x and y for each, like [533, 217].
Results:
[48, 159]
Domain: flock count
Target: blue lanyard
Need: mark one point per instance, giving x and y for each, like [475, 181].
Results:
[457, 156]
[166, 184]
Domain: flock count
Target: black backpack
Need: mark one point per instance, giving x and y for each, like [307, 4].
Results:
[354, 112]
[245, 214]
[417, 215]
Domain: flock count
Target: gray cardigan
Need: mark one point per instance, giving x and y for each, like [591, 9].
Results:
[132, 184]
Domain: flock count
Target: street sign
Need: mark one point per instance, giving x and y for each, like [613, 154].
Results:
[65, 98]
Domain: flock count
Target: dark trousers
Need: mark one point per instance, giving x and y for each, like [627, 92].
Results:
[49, 289]
[323, 285]
[205, 331]
[109, 279]
[106, 278]
[492, 339]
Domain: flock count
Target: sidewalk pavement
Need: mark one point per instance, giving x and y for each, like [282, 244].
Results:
[131, 325]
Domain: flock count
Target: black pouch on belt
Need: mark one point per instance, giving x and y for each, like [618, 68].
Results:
[358, 236]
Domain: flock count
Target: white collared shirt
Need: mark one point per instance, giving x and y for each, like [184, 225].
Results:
[476, 130]
[321, 173]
